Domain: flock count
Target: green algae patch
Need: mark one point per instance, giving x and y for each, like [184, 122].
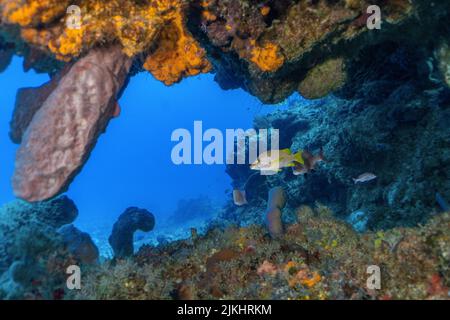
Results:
[323, 79]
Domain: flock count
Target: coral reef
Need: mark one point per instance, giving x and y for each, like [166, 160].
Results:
[79, 244]
[58, 141]
[155, 28]
[33, 256]
[392, 121]
[269, 48]
[319, 257]
[133, 219]
[54, 213]
[293, 45]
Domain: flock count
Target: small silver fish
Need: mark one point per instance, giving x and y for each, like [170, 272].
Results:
[365, 177]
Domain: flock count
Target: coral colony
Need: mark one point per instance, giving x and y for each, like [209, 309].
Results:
[356, 202]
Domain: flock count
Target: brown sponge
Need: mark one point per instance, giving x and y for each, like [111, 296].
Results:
[275, 203]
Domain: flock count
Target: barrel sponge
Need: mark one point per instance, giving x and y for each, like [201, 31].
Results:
[57, 142]
[121, 238]
[275, 203]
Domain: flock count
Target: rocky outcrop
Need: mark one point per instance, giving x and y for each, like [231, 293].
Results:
[121, 238]
[79, 244]
[274, 48]
[269, 48]
[31, 249]
[392, 122]
[64, 130]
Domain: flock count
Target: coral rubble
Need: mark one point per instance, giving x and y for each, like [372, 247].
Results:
[389, 114]
[269, 48]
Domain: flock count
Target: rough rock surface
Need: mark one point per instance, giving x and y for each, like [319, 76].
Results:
[6, 54]
[121, 238]
[79, 244]
[393, 121]
[285, 42]
[62, 133]
[269, 48]
[31, 250]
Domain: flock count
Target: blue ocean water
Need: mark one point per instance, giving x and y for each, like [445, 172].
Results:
[131, 164]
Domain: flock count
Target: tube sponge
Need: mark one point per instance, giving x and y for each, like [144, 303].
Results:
[275, 203]
[121, 238]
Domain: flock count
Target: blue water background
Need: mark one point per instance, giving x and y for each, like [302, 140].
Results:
[131, 164]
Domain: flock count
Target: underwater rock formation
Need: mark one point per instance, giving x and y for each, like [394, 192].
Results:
[79, 244]
[269, 48]
[31, 250]
[64, 130]
[294, 45]
[121, 238]
[54, 213]
[6, 54]
[393, 122]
